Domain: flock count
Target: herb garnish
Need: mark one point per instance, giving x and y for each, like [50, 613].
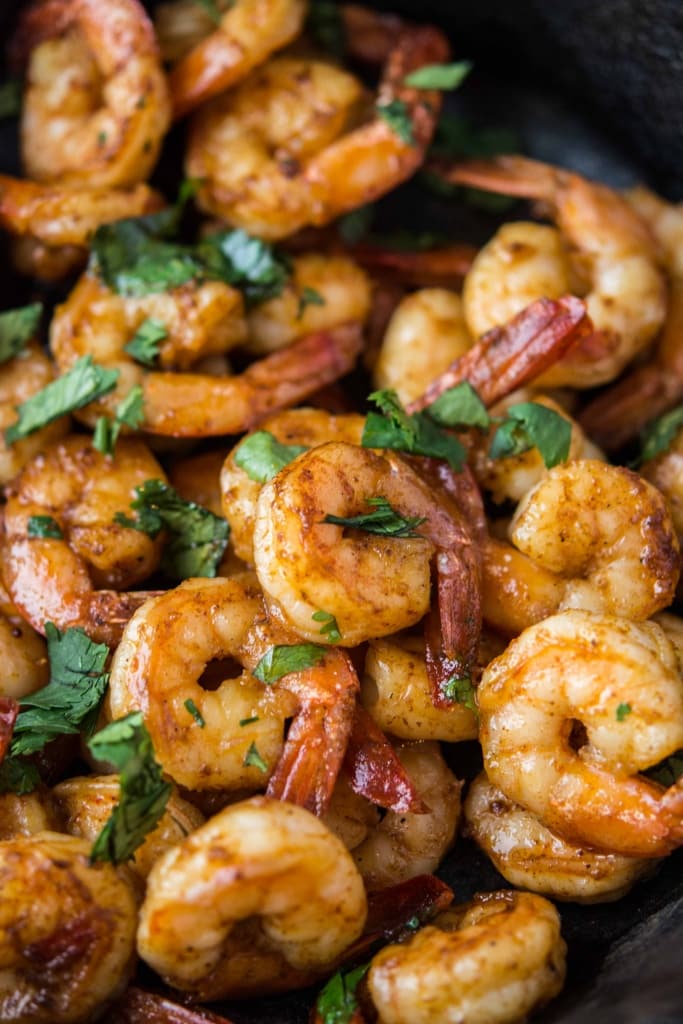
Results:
[385, 520]
[330, 627]
[129, 413]
[262, 456]
[44, 527]
[281, 659]
[144, 345]
[17, 326]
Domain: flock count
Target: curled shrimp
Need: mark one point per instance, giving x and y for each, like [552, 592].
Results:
[25, 814]
[248, 33]
[24, 659]
[96, 106]
[58, 579]
[573, 710]
[614, 252]
[494, 959]
[67, 930]
[272, 153]
[260, 899]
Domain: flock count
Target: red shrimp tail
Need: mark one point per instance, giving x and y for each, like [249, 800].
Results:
[40, 21]
[507, 174]
[9, 709]
[137, 1006]
[444, 266]
[510, 356]
[620, 412]
[375, 771]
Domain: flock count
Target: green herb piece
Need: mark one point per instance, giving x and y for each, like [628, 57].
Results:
[337, 1002]
[280, 660]
[10, 98]
[355, 225]
[248, 721]
[262, 456]
[623, 711]
[308, 297]
[330, 628]
[385, 520]
[416, 433]
[211, 9]
[412, 924]
[18, 776]
[17, 326]
[144, 346]
[459, 689]
[667, 772]
[129, 413]
[253, 759]
[85, 382]
[324, 23]
[44, 527]
[101, 138]
[397, 116]
[657, 436]
[439, 76]
[460, 406]
[127, 744]
[195, 712]
[72, 697]
[249, 263]
[530, 425]
[456, 137]
[197, 538]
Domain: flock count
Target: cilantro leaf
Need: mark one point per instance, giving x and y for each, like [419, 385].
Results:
[325, 24]
[17, 326]
[248, 721]
[254, 759]
[262, 456]
[623, 711]
[282, 659]
[144, 346]
[71, 697]
[530, 425]
[668, 771]
[337, 1002]
[439, 76]
[460, 406]
[44, 526]
[396, 115]
[416, 434]
[385, 520]
[459, 689]
[355, 225]
[247, 262]
[308, 297]
[84, 383]
[143, 792]
[658, 435]
[18, 776]
[195, 712]
[211, 9]
[10, 97]
[198, 538]
[129, 413]
[330, 627]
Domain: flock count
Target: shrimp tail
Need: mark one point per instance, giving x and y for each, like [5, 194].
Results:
[9, 709]
[617, 415]
[431, 268]
[453, 626]
[507, 174]
[137, 1006]
[375, 771]
[40, 21]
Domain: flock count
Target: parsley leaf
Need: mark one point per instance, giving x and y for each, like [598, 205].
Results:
[44, 526]
[262, 456]
[72, 696]
[280, 660]
[439, 76]
[84, 383]
[17, 326]
[416, 434]
[460, 690]
[337, 1002]
[249, 263]
[355, 225]
[330, 626]
[324, 22]
[460, 406]
[10, 98]
[396, 115]
[195, 712]
[530, 425]
[668, 771]
[144, 346]
[658, 435]
[198, 538]
[385, 520]
[143, 792]
[308, 297]
[129, 413]
[254, 759]
[211, 9]
[623, 711]
[18, 776]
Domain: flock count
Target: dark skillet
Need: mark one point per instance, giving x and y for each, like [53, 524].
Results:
[596, 85]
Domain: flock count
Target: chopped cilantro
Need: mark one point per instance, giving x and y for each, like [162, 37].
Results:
[248, 721]
[385, 520]
[337, 1002]
[460, 406]
[18, 776]
[129, 413]
[330, 627]
[669, 771]
[397, 116]
[17, 326]
[262, 456]
[459, 689]
[439, 76]
[10, 98]
[658, 435]
[417, 434]
[280, 660]
[308, 297]
[530, 425]
[325, 24]
[195, 712]
[144, 346]
[623, 711]
[248, 263]
[44, 526]
[253, 759]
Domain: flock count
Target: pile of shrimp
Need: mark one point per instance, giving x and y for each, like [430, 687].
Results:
[418, 603]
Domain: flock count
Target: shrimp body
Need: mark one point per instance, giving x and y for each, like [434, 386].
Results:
[490, 961]
[96, 106]
[58, 580]
[67, 931]
[261, 898]
[24, 659]
[25, 814]
[621, 681]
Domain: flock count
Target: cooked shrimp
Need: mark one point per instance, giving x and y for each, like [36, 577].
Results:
[575, 708]
[24, 659]
[96, 106]
[530, 856]
[85, 804]
[262, 898]
[611, 248]
[67, 930]
[23, 376]
[301, 427]
[444, 266]
[180, 24]
[249, 31]
[490, 961]
[25, 814]
[273, 156]
[425, 334]
[197, 478]
[57, 580]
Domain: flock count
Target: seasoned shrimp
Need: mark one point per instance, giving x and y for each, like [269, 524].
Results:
[575, 708]
[249, 31]
[612, 249]
[272, 153]
[67, 930]
[25, 814]
[531, 857]
[57, 580]
[490, 961]
[306, 428]
[85, 804]
[96, 106]
[425, 334]
[29, 372]
[263, 898]
[24, 659]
